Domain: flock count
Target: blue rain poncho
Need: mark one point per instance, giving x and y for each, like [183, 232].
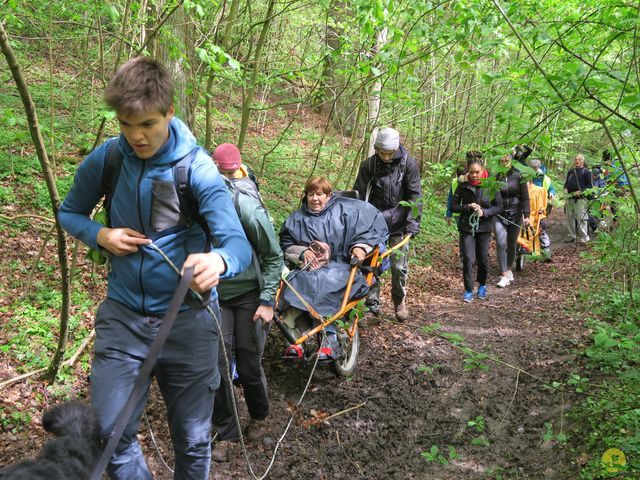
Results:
[343, 224]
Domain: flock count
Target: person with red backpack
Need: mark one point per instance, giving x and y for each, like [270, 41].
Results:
[247, 303]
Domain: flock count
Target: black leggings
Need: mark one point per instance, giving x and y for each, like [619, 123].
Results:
[475, 249]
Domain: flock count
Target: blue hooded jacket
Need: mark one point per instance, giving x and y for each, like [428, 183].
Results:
[144, 281]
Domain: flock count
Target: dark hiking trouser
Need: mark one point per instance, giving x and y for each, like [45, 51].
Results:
[475, 249]
[186, 372]
[245, 340]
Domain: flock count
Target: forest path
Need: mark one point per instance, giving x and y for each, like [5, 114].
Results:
[408, 409]
[411, 389]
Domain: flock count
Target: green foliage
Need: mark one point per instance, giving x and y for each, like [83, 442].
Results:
[481, 441]
[477, 423]
[549, 434]
[14, 421]
[472, 359]
[608, 415]
[434, 455]
[32, 329]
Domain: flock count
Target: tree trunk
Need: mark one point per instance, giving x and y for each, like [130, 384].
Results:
[374, 95]
[251, 88]
[36, 136]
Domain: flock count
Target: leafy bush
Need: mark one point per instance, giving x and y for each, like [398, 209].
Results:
[609, 415]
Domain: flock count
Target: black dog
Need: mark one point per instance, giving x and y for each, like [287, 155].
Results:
[71, 455]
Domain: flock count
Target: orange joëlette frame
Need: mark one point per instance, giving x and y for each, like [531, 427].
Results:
[374, 259]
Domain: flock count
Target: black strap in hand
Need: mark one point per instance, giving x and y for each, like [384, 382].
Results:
[136, 394]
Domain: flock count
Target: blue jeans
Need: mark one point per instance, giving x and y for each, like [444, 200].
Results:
[187, 375]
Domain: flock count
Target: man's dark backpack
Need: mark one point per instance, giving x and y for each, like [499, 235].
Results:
[187, 203]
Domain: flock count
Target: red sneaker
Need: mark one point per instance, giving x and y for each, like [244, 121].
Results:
[293, 352]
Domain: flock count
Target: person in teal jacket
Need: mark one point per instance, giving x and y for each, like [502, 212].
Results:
[144, 211]
[247, 303]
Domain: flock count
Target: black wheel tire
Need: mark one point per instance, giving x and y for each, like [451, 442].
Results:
[351, 348]
[520, 262]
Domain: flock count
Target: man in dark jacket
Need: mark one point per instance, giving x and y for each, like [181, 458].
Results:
[578, 180]
[385, 179]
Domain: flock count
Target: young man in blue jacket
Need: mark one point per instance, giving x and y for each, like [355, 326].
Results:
[144, 209]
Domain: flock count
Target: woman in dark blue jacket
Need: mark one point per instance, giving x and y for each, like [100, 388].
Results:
[477, 210]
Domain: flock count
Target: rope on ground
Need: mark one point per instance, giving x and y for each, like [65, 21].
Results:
[155, 444]
[513, 397]
[230, 383]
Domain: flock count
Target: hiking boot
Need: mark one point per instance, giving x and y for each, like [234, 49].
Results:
[467, 297]
[402, 312]
[374, 311]
[372, 315]
[482, 292]
[256, 430]
[504, 282]
[224, 451]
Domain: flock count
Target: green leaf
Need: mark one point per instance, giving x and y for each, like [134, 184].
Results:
[481, 442]
[108, 114]
[234, 64]
[604, 341]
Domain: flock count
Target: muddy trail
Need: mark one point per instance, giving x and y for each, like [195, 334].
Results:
[413, 390]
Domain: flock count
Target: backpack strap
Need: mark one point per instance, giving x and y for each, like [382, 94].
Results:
[372, 176]
[235, 194]
[187, 202]
[190, 209]
[110, 173]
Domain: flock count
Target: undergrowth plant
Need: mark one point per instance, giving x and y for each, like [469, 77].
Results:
[609, 414]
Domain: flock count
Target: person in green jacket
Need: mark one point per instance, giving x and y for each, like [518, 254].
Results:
[247, 303]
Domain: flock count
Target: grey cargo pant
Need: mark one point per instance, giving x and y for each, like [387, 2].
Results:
[399, 274]
[186, 371]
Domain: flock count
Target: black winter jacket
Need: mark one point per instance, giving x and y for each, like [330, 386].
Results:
[387, 185]
[578, 179]
[466, 194]
[515, 196]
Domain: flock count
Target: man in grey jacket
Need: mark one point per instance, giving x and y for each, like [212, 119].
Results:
[386, 179]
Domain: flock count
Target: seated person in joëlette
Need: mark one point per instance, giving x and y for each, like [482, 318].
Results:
[319, 239]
